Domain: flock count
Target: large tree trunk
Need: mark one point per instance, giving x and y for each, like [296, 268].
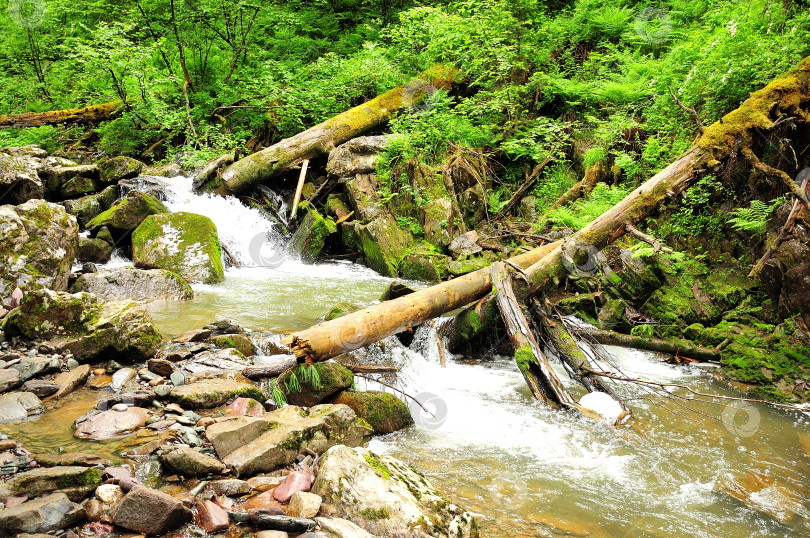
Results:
[321, 139]
[89, 114]
[785, 96]
[364, 327]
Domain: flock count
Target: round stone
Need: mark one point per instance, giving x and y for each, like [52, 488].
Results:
[72, 364]
[177, 379]
[120, 407]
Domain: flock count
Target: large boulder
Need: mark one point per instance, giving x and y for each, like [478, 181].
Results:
[387, 497]
[310, 238]
[38, 243]
[127, 283]
[112, 423]
[150, 512]
[385, 412]
[362, 191]
[184, 243]
[93, 250]
[19, 174]
[55, 177]
[43, 515]
[306, 388]
[259, 444]
[74, 481]
[357, 156]
[82, 325]
[126, 214]
[115, 169]
[385, 245]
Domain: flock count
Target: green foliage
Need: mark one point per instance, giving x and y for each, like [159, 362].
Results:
[695, 216]
[583, 211]
[754, 218]
[310, 375]
[412, 225]
[277, 394]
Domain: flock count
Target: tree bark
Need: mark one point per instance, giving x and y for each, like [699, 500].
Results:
[684, 349]
[364, 327]
[89, 114]
[593, 175]
[321, 139]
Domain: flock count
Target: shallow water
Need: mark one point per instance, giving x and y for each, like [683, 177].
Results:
[525, 469]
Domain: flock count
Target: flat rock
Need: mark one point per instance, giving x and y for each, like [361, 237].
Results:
[140, 285]
[465, 245]
[71, 380]
[263, 501]
[74, 481]
[70, 458]
[150, 512]
[41, 388]
[161, 367]
[217, 360]
[259, 444]
[49, 513]
[245, 407]
[30, 367]
[111, 424]
[295, 525]
[232, 487]
[213, 392]
[17, 406]
[122, 377]
[188, 462]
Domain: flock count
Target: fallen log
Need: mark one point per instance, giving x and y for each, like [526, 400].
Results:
[523, 189]
[532, 363]
[318, 141]
[683, 349]
[593, 175]
[372, 324]
[571, 354]
[89, 114]
[785, 96]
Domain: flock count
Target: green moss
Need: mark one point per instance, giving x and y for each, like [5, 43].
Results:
[309, 239]
[341, 309]
[89, 479]
[524, 357]
[375, 513]
[384, 412]
[378, 466]
[239, 342]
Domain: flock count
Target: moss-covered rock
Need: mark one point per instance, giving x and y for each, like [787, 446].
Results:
[77, 187]
[184, 243]
[612, 316]
[385, 245]
[38, 243]
[303, 387]
[310, 238]
[340, 309]
[204, 393]
[127, 214]
[115, 169]
[82, 325]
[239, 342]
[585, 305]
[337, 206]
[84, 209]
[92, 249]
[75, 482]
[385, 412]
[54, 177]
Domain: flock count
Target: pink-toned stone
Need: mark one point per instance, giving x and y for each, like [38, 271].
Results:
[15, 501]
[245, 406]
[295, 481]
[211, 517]
[100, 529]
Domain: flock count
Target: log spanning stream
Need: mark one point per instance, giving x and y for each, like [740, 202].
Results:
[526, 470]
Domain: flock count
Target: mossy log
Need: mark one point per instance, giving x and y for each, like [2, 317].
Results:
[787, 96]
[679, 348]
[89, 114]
[318, 141]
[593, 175]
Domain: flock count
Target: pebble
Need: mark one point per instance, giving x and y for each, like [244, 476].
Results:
[72, 364]
[205, 422]
[120, 407]
[192, 415]
[32, 353]
[158, 380]
[94, 510]
[162, 391]
[177, 379]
